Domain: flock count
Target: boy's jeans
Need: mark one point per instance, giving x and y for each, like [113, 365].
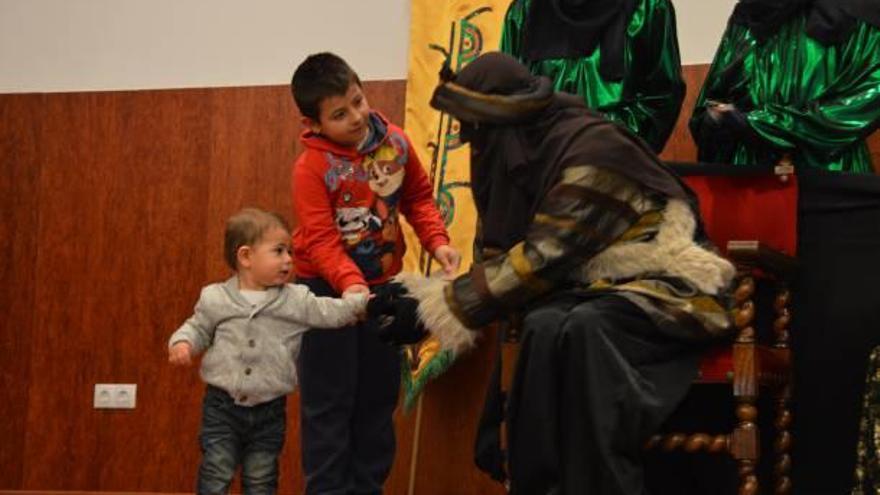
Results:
[235, 435]
[349, 382]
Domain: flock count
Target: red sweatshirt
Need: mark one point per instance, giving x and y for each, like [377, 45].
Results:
[347, 201]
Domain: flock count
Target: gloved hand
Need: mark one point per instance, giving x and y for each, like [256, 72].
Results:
[395, 315]
[721, 130]
[735, 122]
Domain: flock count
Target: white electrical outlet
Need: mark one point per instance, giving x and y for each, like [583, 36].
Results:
[103, 396]
[115, 395]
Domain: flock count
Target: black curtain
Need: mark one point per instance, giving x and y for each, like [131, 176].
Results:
[836, 323]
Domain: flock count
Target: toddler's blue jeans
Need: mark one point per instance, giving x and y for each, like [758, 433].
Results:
[232, 436]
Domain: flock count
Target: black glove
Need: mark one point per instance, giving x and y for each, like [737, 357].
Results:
[395, 315]
[383, 297]
[721, 132]
[736, 123]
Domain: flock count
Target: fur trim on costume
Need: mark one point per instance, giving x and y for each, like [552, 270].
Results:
[673, 251]
[435, 314]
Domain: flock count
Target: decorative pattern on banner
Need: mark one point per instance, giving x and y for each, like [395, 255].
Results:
[457, 31]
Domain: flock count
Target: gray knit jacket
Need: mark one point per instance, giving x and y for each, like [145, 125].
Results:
[251, 349]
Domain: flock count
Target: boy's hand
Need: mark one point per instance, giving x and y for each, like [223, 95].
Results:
[180, 354]
[449, 259]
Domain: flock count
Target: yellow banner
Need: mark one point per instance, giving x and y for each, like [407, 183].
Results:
[457, 31]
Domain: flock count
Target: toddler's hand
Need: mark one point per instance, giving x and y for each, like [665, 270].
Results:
[356, 289]
[360, 299]
[180, 354]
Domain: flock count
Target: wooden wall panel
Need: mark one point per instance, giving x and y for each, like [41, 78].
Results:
[451, 408]
[123, 221]
[874, 146]
[680, 147]
[19, 196]
[115, 204]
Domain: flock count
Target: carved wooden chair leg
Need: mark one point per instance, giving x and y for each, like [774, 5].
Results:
[756, 367]
[745, 445]
[783, 317]
[744, 440]
[690, 443]
[782, 445]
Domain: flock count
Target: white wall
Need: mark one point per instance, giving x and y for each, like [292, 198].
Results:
[76, 45]
[700, 26]
[72, 45]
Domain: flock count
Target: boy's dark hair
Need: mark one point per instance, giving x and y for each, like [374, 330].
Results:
[320, 76]
[246, 228]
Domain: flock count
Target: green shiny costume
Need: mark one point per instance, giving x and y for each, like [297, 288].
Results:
[816, 103]
[648, 99]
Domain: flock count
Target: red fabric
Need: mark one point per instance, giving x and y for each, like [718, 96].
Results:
[716, 365]
[762, 208]
[745, 208]
[347, 224]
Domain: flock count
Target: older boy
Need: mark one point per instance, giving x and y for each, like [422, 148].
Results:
[357, 173]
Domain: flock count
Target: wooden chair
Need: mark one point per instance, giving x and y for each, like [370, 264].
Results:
[752, 216]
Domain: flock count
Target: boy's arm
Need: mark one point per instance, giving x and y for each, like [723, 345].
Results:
[303, 306]
[198, 330]
[417, 203]
[321, 238]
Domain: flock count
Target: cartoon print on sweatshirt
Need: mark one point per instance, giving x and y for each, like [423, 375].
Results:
[356, 227]
[341, 169]
[370, 234]
[387, 169]
[355, 224]
[369, 256]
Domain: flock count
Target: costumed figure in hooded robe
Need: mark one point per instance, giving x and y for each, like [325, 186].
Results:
[620, 56]
[597, 249]
[795, 78]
